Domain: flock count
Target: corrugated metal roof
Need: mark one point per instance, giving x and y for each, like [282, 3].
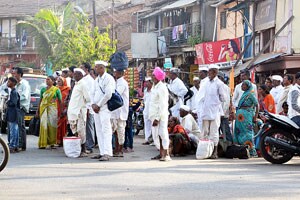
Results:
[178, 4]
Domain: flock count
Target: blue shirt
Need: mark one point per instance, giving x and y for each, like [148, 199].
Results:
[24, 90]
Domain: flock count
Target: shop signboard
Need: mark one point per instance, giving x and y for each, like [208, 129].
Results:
[218, 52]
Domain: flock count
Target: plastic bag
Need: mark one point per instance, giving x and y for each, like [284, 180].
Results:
[205, 149]
[72, 146]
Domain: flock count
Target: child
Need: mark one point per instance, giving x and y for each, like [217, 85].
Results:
[285, 108]
[13, 106]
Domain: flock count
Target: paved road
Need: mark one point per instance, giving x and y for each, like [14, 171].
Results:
[48, 174]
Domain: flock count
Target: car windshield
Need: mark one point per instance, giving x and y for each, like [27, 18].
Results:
[36, 84]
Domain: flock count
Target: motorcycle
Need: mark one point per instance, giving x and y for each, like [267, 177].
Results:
[279, 138]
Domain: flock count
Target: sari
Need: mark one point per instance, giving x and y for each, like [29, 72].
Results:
[268, 104]
[243, 132]
[179, 140]
[62, 122]
[48, 116]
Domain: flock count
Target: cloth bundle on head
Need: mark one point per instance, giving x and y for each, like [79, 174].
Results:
[79, 70]
[119, 61]
[159, 74]
[185, 107]
[203, 69]
[277, 78]
[100, 62]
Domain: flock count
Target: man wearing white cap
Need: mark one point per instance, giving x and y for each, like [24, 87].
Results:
[212, 109]
[147, 120]
[277, 88]
[203, 71]
[77, 110]
[177, 87]
[120, 115]
[190, 125]
[192, 102]
[90, 122]
[287, 83]
[104, 87]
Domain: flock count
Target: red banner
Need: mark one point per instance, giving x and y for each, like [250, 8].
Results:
[218, 52]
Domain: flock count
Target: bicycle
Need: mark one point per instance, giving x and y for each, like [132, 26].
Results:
[4, 154]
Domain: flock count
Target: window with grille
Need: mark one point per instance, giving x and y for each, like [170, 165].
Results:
[223, 20]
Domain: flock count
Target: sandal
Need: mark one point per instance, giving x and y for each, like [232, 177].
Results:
[156, 157]
[96, 157]
[146, 143]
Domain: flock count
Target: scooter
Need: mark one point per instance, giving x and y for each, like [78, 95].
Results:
[279, 138]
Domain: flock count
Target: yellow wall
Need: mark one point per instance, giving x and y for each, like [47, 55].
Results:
[234, 27]
[296, 26]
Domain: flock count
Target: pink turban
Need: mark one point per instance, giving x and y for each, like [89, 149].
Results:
[159, 74]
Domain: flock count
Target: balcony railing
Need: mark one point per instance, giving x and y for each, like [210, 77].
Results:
[15, 44]
[177, 36]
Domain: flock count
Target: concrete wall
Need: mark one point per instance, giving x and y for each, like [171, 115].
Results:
[234, 27]
[124, 24]
[208, 21]
[296, 26]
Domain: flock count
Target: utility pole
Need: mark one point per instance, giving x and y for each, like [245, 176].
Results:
[94, 13]
[112, 22]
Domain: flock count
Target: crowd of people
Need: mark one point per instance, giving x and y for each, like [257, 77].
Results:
[74, 103]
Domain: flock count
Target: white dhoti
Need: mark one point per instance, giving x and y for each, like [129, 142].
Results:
[147, 127]
[119, 126]
[78, 127]
[104, 131]
[161, 130]
[210, 130]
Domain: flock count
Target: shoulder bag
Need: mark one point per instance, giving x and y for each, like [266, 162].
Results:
[115, 102]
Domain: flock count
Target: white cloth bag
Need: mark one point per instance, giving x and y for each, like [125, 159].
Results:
[205, 149]
[72, 146]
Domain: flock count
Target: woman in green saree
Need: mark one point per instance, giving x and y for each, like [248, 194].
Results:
[51, 98]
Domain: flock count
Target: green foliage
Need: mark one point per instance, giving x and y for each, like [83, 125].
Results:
[66, 37]
[195, 39]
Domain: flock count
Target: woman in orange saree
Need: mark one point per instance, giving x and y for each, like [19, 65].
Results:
[62, 122]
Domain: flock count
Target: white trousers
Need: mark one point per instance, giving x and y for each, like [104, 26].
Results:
[119, 126]
[147, 128]
[210, 130]
[104, 131]
[161, 130]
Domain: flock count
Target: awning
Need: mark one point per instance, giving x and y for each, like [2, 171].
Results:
[262, 58]
[178, 4]
[221, 2]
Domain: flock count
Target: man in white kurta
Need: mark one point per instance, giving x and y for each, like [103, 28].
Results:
[158, 114]
[189, 124]
[287, 83]
[121, 114]
[238, 92]
[201, 94]
[192, 102]
[212, 110]
[90, 122]
[104, 87]
[277, 88]
[77, 110]
[177, 87]
[147, 121]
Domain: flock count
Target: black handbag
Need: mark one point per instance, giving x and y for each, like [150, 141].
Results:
[237, 151]
[115, 102]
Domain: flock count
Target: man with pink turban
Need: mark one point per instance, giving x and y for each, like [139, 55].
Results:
[158, 114]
